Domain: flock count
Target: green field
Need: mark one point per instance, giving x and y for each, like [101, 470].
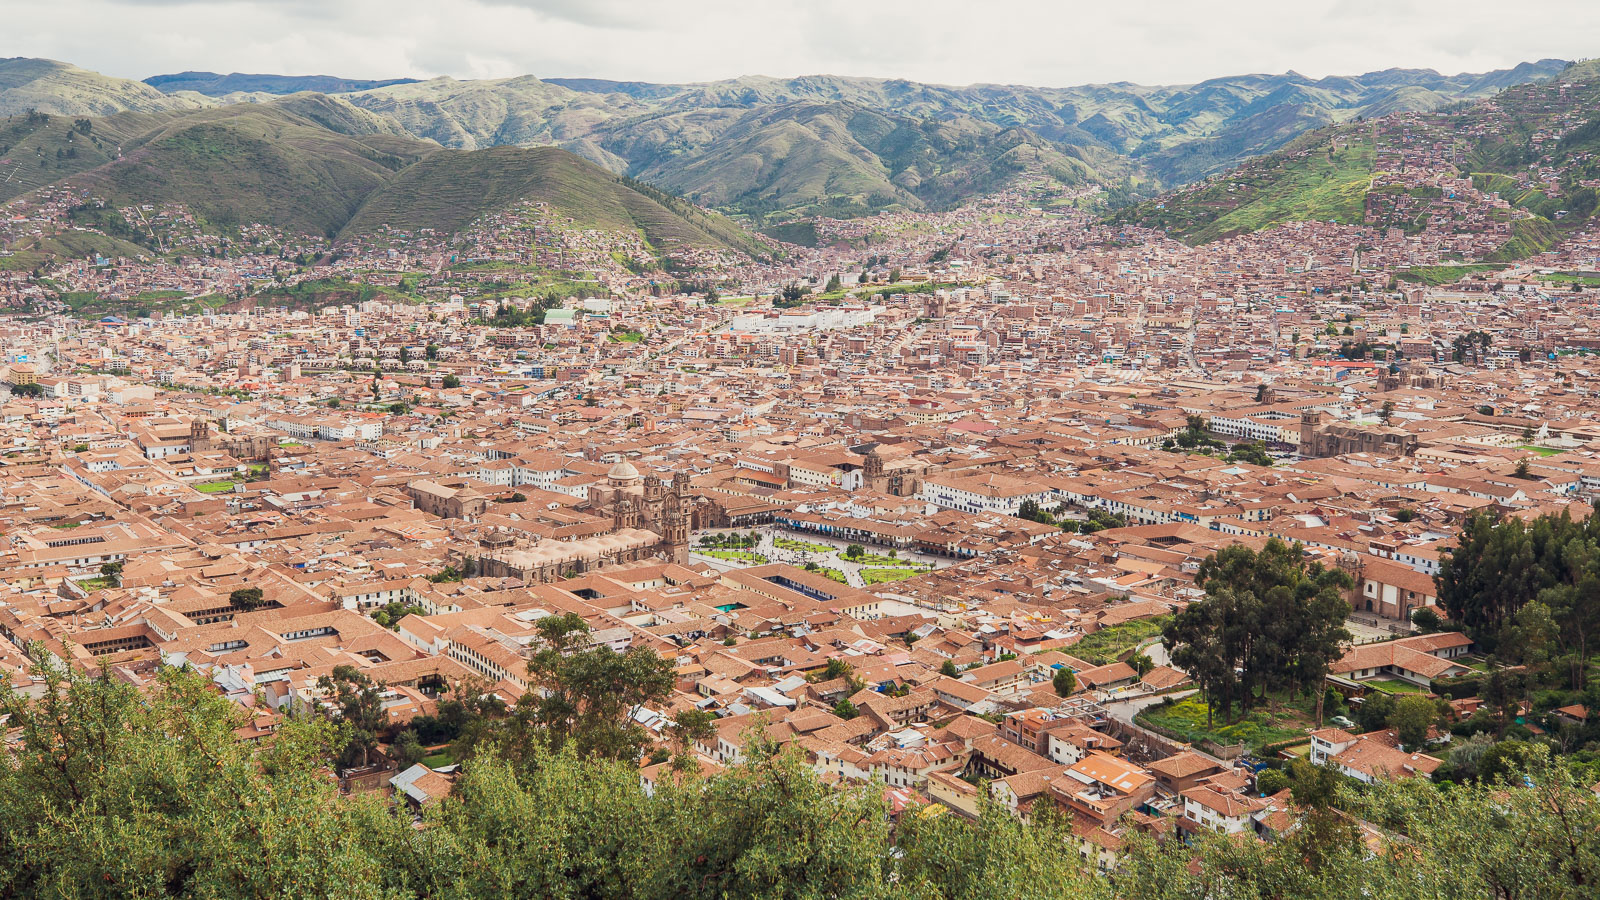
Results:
[801, 546]
[1437, 275]
[881, 576]
[1186, 719]
[1109, 644]
[214, 487]
[736, 555]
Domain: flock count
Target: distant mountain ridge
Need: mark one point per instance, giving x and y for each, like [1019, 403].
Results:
[318, 164]
[777, 148]
[213, 84]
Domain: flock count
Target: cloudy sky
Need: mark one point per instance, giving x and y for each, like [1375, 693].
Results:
[1037, 42]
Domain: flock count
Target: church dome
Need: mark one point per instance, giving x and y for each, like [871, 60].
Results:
[623, 471]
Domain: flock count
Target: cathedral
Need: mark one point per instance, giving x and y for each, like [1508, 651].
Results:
[650, 504]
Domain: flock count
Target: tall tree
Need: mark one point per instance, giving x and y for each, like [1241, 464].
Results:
[1268, 622]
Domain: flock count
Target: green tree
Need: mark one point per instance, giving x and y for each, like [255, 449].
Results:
[690, 726]
[948, 669]
[354, 703]
[450, 382]
[1268, 622]
[1271, 781]
[588, 694]
[1064, 682]
[408, 751]
[247, 599]
[1411, 718]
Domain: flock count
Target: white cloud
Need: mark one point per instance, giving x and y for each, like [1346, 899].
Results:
[1040, 42]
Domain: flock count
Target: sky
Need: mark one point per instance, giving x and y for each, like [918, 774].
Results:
[1053, 43]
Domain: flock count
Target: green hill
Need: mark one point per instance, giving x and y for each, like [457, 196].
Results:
[450, 188]
[40, 149]
[1323, 176]
[255, 163]
[60, 89]
[1326, 174]
[812, 144]
[843, 159]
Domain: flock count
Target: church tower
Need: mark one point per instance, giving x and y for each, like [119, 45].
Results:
[675, 529]
[625, 514]
[199, 436]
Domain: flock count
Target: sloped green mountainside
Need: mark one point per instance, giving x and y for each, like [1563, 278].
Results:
[449, 188]
[773, 148]
[317, 164]
[1327, 174]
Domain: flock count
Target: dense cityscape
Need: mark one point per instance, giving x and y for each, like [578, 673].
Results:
[1032, 520]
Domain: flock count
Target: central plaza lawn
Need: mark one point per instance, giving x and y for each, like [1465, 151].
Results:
[736, 555]
[873, 559]
[880, 576]
[801, 546]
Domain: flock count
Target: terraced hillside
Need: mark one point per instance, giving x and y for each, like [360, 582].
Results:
[449, 188]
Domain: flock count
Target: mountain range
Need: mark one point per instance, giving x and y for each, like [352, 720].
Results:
[317, 164]
[1328, 174]
[775, 148]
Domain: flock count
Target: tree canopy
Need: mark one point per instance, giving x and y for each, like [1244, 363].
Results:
[1269, 621]
[113, 792]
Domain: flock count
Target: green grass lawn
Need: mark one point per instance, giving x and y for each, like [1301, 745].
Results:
[833, 574]
[214, 487]
[736, 555]
[1108, 644]
[1542, 451]
[879, 576]
[801, 546]
[1394, 686]
[1437, 275]
[96, 584]
[439, 758]
[1186, 718]
[873, 559]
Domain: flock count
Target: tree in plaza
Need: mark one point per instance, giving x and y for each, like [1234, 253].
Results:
[247, 599]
